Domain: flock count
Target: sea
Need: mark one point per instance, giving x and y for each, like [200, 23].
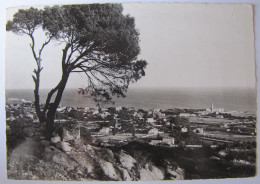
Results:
[242, 100]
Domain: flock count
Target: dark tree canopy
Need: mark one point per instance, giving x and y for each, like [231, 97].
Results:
[98, 40]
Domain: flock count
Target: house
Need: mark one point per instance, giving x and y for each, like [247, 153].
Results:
[193, 146]
[150, 120]
[187, 115]
[226, 125]
[153, 131]
[155, 142]
[104, 130]
[138, 115]
[220, 116]
[104, 114]
[170, 141]
[96, 112]
[220, 110]
[118, 108]
[208, 109]
[184, 129]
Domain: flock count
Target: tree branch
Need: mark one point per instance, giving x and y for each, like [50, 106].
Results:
[44, 44]
[32, 47]
[64, 55]
[49, 98]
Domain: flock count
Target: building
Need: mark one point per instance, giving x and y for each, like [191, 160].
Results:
[150, 120]
[219, 116]
[104, 114]
[170, 141]
[187, 115]
[118, 108]
[217, 110]
[184, 129]
[104, 130]
[153, 131]
[155, 142]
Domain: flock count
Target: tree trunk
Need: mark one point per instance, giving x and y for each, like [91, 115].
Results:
[50, 116]
[50, 122]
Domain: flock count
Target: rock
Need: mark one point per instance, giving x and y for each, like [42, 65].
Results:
[109, 170]
[16, 101]
[29, 131]
[71, 134]
[150, 173]
[67, 136]
[56, 139]
[127, 161]
[85, 160]
[241, 162]
[125, 174]
[45, 143]
[177, 174]
[52, 154]
[30, 115]
[222, 153]
[214, 158]
[65, 146]
[104, 153]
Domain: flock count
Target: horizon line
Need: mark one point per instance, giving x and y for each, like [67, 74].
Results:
[153, 87]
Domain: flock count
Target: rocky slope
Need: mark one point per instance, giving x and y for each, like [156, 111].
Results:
[73, 155]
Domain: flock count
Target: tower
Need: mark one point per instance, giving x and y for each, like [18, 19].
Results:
[212, 107]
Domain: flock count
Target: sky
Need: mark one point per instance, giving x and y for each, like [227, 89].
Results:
[185, 45]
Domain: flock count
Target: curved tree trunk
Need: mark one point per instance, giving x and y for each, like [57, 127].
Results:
[50, 115]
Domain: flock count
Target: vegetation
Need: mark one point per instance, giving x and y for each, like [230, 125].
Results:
[98, 41]
[199, 163]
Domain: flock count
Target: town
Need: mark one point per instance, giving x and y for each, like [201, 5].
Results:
[171, 127]
[228, 137]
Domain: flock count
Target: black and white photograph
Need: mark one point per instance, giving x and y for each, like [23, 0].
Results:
[121, 91]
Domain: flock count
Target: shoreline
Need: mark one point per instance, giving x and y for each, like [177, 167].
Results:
[110, 105]
[151, 99]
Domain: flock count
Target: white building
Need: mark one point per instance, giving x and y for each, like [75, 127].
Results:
[184, 129]
[154, 142]
[220, 116]
[187, 115]
[153, 131]
[118, 108]
[104, 130]
[150, 120]
[170, 141]
[104, 114]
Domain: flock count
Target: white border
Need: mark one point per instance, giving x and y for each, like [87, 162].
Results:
[13, 3]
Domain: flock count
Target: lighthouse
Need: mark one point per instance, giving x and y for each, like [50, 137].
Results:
[212, 107]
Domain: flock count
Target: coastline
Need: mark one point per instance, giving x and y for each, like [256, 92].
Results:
[238, 100]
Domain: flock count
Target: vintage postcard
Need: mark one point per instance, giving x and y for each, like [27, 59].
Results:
[130, 92]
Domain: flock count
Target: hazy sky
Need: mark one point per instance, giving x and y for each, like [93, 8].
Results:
[185, 45]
